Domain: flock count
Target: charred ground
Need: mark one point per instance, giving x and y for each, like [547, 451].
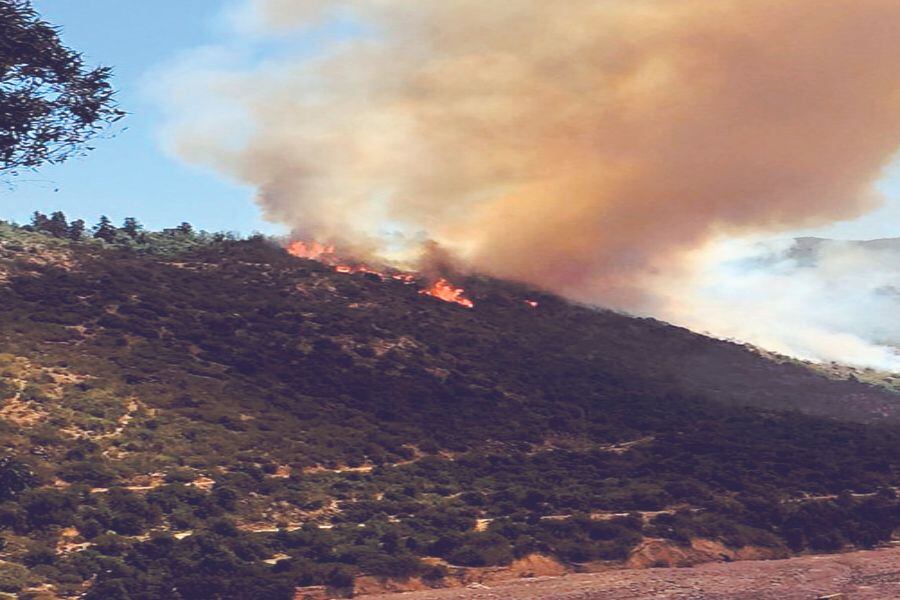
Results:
[177, 412]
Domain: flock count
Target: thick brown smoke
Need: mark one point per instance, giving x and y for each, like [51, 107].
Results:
[578, 145]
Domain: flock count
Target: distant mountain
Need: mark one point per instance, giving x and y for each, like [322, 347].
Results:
[833, 299]
[195, 417]
[887, 244]
[806, 249]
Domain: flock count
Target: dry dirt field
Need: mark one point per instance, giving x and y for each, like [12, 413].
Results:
[864, 575]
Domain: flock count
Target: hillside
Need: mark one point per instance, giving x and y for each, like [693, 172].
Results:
[212, 418]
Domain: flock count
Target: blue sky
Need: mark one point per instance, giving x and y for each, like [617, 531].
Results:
[130, 175]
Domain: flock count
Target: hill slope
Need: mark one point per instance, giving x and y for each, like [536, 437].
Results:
[219, 389]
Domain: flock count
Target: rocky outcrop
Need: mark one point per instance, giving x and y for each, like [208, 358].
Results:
[666, 553]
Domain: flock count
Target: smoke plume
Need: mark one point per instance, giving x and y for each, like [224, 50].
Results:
[823, 300]
[584, 146]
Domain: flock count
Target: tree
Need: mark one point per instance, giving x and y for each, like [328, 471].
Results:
[185, 229]
[104, 230]
[15, 477]
[76, 230]
[39, 221]
[113, 589]
[13, 577]
[51, 104]
[131, 227]
[58, 225]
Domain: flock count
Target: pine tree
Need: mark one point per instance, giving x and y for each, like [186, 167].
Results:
[58, 226]
[76, 230]
[39, 222]
[104, 230]
[131, 227]
[185, 229]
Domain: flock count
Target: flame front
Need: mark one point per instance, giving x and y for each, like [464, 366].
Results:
[444, 290]
[310, 250]
[325, 253]
[351, 269]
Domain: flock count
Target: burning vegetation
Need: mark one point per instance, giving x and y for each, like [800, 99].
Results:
[658, 146]
[310, 250]
[446, 291]
[442, 289]
[474, 429]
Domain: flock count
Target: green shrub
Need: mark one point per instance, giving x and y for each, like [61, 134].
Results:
[13, 577]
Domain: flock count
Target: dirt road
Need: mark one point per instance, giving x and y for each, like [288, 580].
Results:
[864, 575]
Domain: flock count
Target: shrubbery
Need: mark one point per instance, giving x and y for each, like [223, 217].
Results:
[238, 363]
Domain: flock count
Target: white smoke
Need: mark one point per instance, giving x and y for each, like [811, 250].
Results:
[820, 300]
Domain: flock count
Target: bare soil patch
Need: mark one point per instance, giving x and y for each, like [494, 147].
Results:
[862, 575]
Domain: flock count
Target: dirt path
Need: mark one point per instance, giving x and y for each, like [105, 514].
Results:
[864, 575]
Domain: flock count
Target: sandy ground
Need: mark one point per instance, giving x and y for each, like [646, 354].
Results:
[864, 575]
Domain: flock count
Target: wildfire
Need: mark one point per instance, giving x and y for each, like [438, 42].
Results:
[310, 250]
[444, 290]
[351, 269]
[532, 303]
[405, 278]
[441, 289]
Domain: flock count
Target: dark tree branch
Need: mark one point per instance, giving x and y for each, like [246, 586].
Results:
[51, 104]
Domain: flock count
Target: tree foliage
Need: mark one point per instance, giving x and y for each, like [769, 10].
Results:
[15, 477]
[104, 230]
[51, 103]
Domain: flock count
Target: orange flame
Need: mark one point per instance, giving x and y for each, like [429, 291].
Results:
[444, 290]
[351, 269]
[310, 250]
[532, 303]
